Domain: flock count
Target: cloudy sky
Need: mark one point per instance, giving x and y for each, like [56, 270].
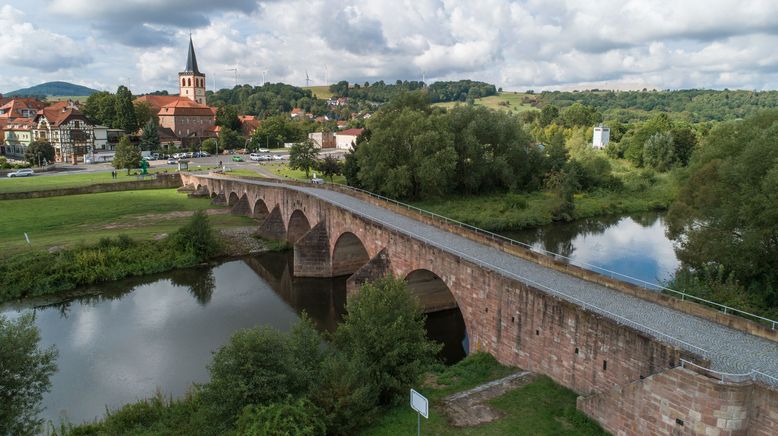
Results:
[517, 45]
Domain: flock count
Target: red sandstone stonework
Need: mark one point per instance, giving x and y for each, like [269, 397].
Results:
[629, 381]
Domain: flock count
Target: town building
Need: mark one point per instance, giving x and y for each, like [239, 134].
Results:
[21, 108]
[17, 137]
[346, 139]
[322, 139]
[67, 129]
[601, 136]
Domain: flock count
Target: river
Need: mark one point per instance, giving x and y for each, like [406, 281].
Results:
[130, 338]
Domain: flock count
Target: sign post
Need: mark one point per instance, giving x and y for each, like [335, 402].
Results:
[421, 406]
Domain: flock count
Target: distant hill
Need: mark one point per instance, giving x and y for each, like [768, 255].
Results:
[54, 89]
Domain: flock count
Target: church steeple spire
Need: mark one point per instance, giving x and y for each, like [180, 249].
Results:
[191, 59]
[191, 80]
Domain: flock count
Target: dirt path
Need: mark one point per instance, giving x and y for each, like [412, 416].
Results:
[469, 408]
[140, 220]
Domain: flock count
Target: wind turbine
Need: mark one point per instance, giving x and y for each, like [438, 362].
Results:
[235, 70]
[263, 77]
[307, 80]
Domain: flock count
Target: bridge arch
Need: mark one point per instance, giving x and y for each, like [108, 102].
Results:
[297, 227]
[260, 210]
[445, 321]
[348, 254]
[232, 199]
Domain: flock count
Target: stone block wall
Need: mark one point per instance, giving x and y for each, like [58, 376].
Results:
[682, 401]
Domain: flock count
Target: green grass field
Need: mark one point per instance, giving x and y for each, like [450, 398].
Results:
[282, 170]
[65, 180]
[69, 220]
[507, 101]
[540, 408]
[320, 91]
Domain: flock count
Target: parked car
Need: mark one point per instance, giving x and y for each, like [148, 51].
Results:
[237, 158]
[317, 181]
[204, 154]
[22, 173]
[255, 156]
[172, 161]
[278, 157]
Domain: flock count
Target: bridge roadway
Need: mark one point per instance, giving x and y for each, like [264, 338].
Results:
[729, 350]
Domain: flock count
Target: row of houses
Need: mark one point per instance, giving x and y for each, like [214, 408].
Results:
[342, 140]
[62, 124]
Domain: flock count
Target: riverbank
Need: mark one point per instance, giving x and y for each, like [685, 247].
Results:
[511, 211]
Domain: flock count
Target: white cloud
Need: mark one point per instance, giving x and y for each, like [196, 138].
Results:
[25, 45]
[536, 44]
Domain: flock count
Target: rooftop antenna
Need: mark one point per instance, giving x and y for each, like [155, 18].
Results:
[307, 80]
[234, 70]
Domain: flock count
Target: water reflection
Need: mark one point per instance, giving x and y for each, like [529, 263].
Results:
[121, 341]
[634, 245]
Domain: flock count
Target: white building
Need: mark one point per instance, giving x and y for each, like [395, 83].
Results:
[601, 136]
[346, 139]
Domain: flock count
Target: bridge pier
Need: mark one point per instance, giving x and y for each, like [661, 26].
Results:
[273, 226]
[242, 207]
[379, 266]
[220, 199]
[312, 253]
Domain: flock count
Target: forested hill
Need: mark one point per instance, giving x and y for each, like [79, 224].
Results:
[268, 99]
[55, 89]
[380, 92]
[692, 104]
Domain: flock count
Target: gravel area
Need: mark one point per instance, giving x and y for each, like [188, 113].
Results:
[729, 350]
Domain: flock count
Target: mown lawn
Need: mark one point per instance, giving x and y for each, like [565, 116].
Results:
[540, 408]
[41, 182]
[282, 170]
[69, 220]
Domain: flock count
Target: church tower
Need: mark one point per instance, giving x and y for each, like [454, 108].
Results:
[191, 81]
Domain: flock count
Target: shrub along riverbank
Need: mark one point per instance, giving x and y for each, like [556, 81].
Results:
[42, 273]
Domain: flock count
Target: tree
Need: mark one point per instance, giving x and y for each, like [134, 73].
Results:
[210, 145]
[144, 113]
[684, 143]
[256, 367]
[548, 114]
[39, 151]
[658, 152]
[100, 108]
[636, 140]
[303, 155]
[149, 139]
[125, 111]
[127, 155]
[330, 166]
[229, 139]
[579, 115]
[24, 375]
[275, 131]
[384, 328]
[556, 152]
[227, 117]
[564, 184]
[727, 207]
[351, 167]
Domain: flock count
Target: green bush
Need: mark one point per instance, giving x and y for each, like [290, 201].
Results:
[289, 418]
[197, 237]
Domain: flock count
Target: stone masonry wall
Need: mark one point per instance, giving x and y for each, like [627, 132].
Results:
[681, 401]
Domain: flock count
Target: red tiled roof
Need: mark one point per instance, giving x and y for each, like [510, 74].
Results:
[157, 101]
[351, 132]
[13, 108]
[187, 107]
[60, 112]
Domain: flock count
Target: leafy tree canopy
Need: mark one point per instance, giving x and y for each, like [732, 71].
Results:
[24, 375]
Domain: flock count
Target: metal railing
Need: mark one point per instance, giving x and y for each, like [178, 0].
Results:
[613, 274]
[753, 375]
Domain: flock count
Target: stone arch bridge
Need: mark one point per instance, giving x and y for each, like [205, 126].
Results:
[622, 348]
